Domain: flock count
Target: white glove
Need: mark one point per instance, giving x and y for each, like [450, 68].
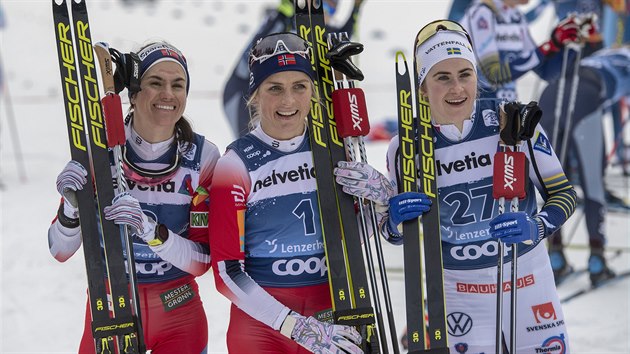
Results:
[71, 179]
[362, 180]
[126, 210]
[321, 337]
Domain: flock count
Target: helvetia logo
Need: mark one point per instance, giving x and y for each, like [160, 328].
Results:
[469, 162]
[301, 173]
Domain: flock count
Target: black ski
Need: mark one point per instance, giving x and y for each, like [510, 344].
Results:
[407, 182]
[346, 267]
[432, 240]
[590, 289]
[100, 237]
[416, 139]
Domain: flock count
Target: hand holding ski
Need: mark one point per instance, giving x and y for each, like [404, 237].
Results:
[321, 337]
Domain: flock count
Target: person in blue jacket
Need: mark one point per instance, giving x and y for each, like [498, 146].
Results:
[604, 80]
[506, 50]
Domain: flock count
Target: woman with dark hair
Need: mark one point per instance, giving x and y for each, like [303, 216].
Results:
[168, 168]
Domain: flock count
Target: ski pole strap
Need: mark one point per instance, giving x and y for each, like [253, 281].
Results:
[530, 115]
[127, 71]
[510, 124]
[350, 111]
[67, 221]
[340, 53]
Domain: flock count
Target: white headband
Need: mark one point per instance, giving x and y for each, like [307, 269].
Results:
[441, 46]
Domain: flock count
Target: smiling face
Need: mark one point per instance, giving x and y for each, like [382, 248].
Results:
[451, 86]
[161, 101]
[283, 101]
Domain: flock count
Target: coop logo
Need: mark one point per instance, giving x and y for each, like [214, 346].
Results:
[158, 268]
[554, 345]
[469, 162]
[297, 266]
[459, 324]
[300, 173]
[472, 252]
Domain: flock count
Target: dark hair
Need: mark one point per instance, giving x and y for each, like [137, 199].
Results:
[184, 133]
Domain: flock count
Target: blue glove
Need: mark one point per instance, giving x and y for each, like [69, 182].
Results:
[515, 227]
[407, 206]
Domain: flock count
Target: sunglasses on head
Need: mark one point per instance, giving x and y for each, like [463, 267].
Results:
[434, 27]
[279, 43]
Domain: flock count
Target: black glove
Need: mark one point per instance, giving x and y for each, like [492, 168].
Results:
[127, 71]
[519, 121]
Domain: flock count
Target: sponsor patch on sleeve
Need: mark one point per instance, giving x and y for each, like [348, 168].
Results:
[542, 144]
[198, 219]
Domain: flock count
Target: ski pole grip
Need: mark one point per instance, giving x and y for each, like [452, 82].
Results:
[112, 108]
[350, 112]
[530, 115]
[509, 179]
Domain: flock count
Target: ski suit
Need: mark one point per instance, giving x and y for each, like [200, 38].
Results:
[604, 79]
[266, 240]
[464, 169]
[505, 49]
[173, 317]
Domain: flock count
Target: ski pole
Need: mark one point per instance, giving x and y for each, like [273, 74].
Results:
[112, 109]
[560, 97]
[575, 81]
[350, 113]
[509, 182]
[17, 147]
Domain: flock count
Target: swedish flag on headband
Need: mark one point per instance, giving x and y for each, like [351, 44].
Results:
[454, 51]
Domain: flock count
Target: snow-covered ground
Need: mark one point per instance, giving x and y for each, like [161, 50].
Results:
[43, 302]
